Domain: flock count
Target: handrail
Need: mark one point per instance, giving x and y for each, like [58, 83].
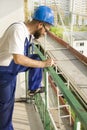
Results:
[80, 112]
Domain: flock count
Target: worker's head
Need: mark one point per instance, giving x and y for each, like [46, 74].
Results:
[44, 14]
[43, 17]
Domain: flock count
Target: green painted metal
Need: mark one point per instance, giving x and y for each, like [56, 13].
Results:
[73, 102]
[42, 108]
[75, 124]
[26, 84]
[47, 119]
[44, 114]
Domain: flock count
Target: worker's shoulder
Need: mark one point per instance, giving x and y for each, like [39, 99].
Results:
[18, 28]
[17, 25]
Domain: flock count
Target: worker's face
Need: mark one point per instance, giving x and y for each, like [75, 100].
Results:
[41, 30]
[37, 33]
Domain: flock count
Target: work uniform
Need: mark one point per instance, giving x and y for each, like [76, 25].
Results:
[16, 40]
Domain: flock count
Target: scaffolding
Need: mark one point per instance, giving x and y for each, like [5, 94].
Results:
[80, 117]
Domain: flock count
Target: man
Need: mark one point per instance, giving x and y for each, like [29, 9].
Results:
[14, 58]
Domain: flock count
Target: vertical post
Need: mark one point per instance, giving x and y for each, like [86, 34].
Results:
[26, 13]
[25, 19]
[47, 120]
[45, 114]
[58, 97]
[47, 90]
[26, 84]
[77, 124]
[72, 19]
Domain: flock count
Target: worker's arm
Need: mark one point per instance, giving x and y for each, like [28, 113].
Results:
[28, 62]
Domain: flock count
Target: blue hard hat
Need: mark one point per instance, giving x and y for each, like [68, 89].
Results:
[44, 14]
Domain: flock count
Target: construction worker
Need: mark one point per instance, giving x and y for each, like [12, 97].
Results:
[14, 58]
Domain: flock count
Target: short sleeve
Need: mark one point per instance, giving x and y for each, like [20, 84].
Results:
[16, 41]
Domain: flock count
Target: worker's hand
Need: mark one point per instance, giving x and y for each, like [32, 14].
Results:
[48, 62]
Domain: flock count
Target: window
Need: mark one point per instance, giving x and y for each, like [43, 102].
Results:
[81, 51]
[81, 43]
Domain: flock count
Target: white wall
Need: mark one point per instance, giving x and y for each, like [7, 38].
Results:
[10, 11]
[76, 45]
[13, 11]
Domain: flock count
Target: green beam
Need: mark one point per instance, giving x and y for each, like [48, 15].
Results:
[73, 102]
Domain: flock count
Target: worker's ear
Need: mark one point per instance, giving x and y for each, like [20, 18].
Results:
[40, 24]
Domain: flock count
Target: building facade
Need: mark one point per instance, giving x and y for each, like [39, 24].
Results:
[79, 41]
[79, 12]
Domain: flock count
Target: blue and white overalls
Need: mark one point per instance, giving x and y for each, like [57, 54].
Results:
[8, 75]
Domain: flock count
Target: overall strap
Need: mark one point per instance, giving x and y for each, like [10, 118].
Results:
[27, 46]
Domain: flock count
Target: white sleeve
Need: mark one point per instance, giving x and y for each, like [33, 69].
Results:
[16, 41]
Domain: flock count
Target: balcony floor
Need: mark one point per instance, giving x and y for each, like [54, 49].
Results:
[26, 117]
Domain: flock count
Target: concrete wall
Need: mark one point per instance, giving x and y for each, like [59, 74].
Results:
[10, 11]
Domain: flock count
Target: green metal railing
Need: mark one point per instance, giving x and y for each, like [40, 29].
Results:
[80, 112]
[44, 114]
